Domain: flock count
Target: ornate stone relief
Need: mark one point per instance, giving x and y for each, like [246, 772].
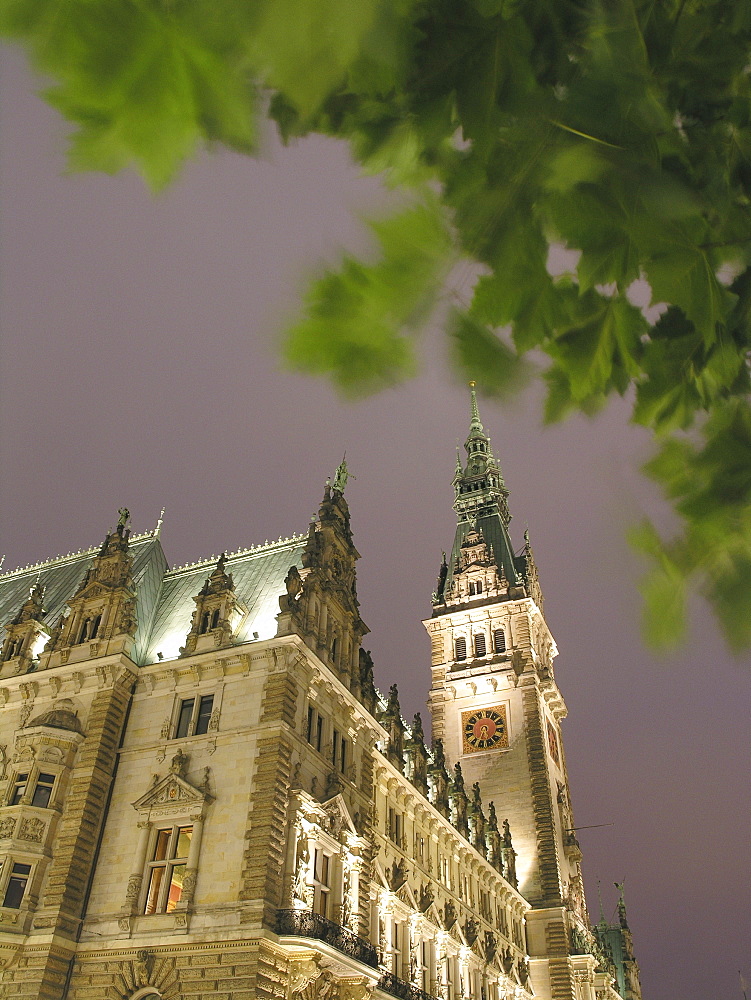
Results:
[146, 969]
[31, 829]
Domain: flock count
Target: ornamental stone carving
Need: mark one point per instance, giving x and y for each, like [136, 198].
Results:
[31, 829]
[302, 972]
[134, 888]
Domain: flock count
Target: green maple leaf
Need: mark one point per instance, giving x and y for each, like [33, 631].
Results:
[359, 318]
[601, 342]
[482, 355]
[682, 274]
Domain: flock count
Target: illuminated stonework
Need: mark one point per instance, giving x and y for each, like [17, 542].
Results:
[202, 792]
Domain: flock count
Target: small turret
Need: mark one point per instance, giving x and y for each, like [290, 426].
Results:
[218, 612]
[25, 633]
[102, 612]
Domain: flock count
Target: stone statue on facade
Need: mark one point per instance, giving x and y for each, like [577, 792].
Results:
[342, 475]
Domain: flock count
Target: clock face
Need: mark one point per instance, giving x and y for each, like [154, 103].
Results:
[485, 729]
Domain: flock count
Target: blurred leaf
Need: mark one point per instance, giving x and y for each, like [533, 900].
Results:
[709, 482]
[484, 357]
[663, 590]
[306, 49]
[357, 317]
[599, 347]
[683, 276]
[620, 130]
[141, 85]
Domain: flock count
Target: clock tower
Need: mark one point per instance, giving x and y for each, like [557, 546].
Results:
[496, 706]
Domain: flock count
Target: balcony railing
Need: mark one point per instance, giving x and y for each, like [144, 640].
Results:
[304, 923]
[392, 984]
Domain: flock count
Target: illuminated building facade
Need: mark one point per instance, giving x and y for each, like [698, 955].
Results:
[203, 794]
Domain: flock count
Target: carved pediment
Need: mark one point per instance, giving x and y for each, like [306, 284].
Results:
[407, 896]
[455, 933]
[171, 790]
[336, 819]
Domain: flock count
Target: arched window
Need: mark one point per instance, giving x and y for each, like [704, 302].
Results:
[499, 641]
[480, 648]
[215, 619]
[204, 623]
[461, 648]
[334, 647]
[95, 623]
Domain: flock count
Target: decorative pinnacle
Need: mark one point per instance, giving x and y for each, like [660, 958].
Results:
[476, 424]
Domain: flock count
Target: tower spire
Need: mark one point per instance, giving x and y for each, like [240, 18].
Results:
[482, 559]
[475, 423]
[479, 488]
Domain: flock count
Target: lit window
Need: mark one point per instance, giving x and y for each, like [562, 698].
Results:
[395, 826]
[480, 648]
[16, 887]
[424, 971]
[340, 752]
[43, 790]
[499, 641]
[397, 947]
[167, 869]
[315, 729]
[194, 716]
[461, 648]
[19, 788]
[322, 882]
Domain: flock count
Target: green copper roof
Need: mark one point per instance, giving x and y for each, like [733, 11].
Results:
[164, 597]
[481, 502]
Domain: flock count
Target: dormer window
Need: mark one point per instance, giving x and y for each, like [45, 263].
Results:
[90, 628]
[13, 649]
[209, 621]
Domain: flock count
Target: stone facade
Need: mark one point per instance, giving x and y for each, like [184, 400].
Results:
[203, 794]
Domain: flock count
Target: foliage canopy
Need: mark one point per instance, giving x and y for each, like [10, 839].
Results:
[618, 128]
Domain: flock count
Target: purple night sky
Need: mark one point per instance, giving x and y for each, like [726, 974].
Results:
[140, 367]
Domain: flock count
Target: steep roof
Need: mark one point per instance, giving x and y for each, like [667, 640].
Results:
[164, 596]
[258, 576]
